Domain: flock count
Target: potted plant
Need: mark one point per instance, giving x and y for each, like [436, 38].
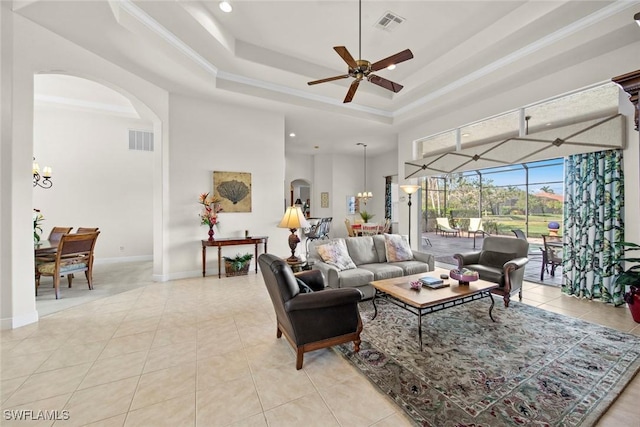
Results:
[366, 216]
[37, 228]
[629, 280]
[238, 265]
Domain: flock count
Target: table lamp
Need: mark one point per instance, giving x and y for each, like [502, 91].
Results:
[293, 219]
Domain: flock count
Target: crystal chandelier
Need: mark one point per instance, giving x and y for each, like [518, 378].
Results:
[365, 195]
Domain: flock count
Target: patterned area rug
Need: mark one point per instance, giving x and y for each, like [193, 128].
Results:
[530, 367]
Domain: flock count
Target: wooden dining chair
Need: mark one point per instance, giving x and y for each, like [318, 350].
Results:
[350, 231]
[81, 230]
[54, 237]
[74, 254]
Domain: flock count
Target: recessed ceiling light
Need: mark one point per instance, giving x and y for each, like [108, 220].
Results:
[225, 6]
[316, 146]
[292, 135]
[391, 67]
[548, 124]
[466, 134]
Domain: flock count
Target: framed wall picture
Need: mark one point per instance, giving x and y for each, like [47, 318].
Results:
[351, 205]
[234, 190]
[324, 199]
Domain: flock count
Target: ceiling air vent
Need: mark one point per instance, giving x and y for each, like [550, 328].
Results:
[389, 21]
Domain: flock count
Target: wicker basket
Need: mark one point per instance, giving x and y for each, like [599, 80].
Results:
[230, 272]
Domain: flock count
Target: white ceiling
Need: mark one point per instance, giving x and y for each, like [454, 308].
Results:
[264, 53]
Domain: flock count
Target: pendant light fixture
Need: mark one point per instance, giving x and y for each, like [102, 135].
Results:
[365, 195]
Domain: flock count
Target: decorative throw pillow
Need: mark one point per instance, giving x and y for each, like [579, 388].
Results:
[397, 248]
[336, 254]
[304, 288]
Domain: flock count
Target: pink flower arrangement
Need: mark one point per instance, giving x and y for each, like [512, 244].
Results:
[210, 210]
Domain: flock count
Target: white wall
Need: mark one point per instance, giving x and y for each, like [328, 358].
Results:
[207, 137]
[98, 181]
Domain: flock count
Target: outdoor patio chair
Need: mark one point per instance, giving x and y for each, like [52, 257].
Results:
[475, 228]
[442, 225]
[551, 255]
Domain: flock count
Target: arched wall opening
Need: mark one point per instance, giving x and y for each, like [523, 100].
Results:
[101, 150]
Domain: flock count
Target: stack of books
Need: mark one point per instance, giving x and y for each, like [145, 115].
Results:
[433, 282]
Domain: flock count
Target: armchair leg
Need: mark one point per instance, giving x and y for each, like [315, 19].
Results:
[520, 295]
[299, 357]
[278, 332]
[507, 298]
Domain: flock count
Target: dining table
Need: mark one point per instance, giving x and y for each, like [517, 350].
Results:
[45, 247]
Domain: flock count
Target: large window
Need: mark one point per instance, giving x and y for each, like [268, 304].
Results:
[526, 196]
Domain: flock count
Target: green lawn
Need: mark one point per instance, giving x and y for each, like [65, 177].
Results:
[506, 223]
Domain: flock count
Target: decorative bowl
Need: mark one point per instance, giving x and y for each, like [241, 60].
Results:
[465, 276]
[416, 286]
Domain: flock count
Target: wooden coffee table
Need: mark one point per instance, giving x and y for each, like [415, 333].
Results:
[399, 292]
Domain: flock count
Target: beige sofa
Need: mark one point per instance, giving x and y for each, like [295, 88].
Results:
[370, 258]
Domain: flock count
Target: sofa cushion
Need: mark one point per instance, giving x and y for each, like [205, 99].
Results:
[355, 278]
[381, 248]
[335, 253]
[361, 250]
[397, 248]
[495, 259]
[383, 270]
[412, 267]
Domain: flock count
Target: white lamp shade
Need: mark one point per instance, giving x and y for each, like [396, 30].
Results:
[294, 218]
[410, 188]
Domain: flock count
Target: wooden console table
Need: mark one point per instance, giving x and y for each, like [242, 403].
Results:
[231, 241]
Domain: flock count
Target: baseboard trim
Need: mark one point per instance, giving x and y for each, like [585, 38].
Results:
[18, 321]
[99, 261]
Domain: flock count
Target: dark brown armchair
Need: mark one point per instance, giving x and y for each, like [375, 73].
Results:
[501, 260]
[314, 320]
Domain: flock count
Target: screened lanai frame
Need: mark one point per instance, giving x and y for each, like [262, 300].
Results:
[582, 121]
[481, 180]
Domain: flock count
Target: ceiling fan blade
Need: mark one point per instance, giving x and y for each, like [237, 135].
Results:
[393, 59]
[329, 79]
[346, 56]
[387, 84]
[351, 92]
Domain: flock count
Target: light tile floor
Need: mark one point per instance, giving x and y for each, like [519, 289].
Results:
[203, 352]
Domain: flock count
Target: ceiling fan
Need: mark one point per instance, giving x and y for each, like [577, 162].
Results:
[361, 68]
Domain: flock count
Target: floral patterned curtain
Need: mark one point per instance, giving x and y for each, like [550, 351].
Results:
[593, 223]
[387, 197]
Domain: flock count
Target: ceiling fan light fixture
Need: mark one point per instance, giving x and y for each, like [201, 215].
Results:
[637, 18]
[362, 69]
[225, 6]
[391, 67]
